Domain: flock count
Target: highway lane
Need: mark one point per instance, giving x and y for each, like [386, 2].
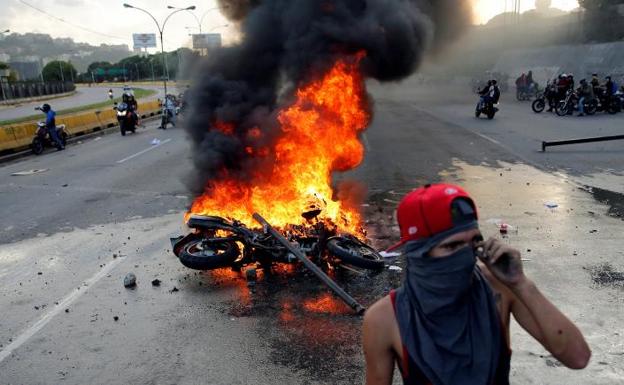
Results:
[84, 96]
[93, 216]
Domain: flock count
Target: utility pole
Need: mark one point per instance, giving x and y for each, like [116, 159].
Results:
[61, 68]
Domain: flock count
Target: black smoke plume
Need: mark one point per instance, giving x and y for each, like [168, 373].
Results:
[286, 43]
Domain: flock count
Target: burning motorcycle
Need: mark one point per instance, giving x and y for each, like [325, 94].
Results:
[42, 138]
[216, 243]
[126, 118]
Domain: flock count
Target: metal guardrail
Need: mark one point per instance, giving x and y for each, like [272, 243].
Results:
[580, 141]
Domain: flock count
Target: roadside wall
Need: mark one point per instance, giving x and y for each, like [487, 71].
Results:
[581, 60]
[17, 137]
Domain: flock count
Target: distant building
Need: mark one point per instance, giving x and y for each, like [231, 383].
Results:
[4, 57]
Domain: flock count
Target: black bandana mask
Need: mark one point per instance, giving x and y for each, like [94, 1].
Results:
[446, 279]
[447, 315]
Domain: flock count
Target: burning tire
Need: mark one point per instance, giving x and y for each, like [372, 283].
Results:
[356, 253]
[198, 253]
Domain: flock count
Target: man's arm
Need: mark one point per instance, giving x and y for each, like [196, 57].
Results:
[557, 333]
[533, 311]
[378, 344]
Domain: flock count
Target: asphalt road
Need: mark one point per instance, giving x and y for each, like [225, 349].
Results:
[107, 206]
[84, 96]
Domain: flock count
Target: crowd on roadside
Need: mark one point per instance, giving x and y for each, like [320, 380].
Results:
[563, 95]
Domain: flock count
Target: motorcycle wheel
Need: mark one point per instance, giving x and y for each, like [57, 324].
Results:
[196, 253]
[37, 146]
[352, 252]
[477, 112]
[591, 109]
[562, 108]
[64, 139]
[491, 114]
[612, 109]
[538, 106]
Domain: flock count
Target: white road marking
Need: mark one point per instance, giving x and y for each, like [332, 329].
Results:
[63, 304]
[487, 138]
[144, 151]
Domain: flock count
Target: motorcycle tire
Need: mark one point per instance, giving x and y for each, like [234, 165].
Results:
[197, 254]
[612, 109]
[477, 112]
[562, 109]
[491, 114]
[352, 252]
[591, 109]
[37, 146]
[64, 139]
[538, 106]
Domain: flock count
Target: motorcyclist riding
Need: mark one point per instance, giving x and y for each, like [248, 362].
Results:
[51, 126]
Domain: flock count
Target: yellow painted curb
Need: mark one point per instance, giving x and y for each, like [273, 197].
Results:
[19, 136]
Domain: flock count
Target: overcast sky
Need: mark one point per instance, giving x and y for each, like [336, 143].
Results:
[109, 17]
[116, 23]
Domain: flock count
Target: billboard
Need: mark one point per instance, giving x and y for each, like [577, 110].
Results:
[144, 40]
[207, 41]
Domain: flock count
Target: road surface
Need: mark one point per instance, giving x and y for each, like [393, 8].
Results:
[84, 96]
[107, 206]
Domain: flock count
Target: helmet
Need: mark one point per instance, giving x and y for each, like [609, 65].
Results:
[494, 82]
[45, 107]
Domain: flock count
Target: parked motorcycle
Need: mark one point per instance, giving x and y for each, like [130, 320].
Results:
[568, 105]
[126, 118]
[610, 105]
[42, 138]
[524, 94]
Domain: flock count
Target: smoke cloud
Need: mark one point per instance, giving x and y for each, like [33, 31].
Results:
[286, 43]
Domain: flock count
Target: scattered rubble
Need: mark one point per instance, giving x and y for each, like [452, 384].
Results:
[130, 280]
[156, 282]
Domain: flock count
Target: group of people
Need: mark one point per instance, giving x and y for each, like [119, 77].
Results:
[558, 88]
[490, 93]
[525, 83]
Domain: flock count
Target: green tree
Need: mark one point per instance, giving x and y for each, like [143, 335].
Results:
[52, 71]
[4, 66]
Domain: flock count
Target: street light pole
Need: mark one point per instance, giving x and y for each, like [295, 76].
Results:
[161, 30]
[61, 68]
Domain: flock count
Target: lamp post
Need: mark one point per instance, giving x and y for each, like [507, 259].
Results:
[161, 30]
[199, 20]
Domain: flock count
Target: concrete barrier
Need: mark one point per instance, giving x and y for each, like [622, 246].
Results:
[15, 137]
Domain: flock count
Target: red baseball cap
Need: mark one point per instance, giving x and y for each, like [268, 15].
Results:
[432, 209]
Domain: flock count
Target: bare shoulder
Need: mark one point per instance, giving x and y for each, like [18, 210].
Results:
[380, 313]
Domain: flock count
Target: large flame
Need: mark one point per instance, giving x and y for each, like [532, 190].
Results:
[319, 135]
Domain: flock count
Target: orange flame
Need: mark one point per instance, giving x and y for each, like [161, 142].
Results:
[319, 136]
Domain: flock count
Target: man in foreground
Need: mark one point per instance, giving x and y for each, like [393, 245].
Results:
[448, 324]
